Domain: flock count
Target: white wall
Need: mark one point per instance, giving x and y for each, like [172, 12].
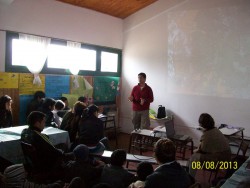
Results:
[196, 56]
[55, 19]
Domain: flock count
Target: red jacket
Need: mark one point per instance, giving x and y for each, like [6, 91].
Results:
[146, 93]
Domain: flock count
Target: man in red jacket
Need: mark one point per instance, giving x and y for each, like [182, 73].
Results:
[141, 97]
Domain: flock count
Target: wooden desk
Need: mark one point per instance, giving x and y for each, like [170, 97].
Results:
[10, 146]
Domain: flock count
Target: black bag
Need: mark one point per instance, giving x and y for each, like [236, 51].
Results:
[161, 112]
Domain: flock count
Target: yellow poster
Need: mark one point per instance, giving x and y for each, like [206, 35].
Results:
[81, 86]
[72, 99]
[26, 86]
[8, 80]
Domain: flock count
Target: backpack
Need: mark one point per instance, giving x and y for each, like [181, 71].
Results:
[161, 112]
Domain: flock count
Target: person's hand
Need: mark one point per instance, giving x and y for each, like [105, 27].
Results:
[142, 101]
[131, 98]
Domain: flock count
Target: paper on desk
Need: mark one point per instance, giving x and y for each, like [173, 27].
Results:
[228, 132]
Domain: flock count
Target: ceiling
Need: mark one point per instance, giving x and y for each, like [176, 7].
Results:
[117, 8]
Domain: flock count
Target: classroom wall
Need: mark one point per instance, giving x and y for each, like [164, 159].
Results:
[58, 20]
[196, 57]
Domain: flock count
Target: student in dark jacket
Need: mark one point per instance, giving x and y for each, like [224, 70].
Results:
[89, 170]
[114, 174]
[48, 160]
[71, 120]
[91, 130]
[169, 173]
[36, 103]
[48, 106]
[6, 119]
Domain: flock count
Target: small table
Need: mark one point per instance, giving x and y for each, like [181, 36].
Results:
[231, 133]
[11, 146]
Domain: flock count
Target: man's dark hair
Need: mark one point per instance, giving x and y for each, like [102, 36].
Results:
[206, 121]
[63, 99]
[118, 157]
[82, 99]
[164, 150]
[47, 103]
[142, 74]
[144, 169]
[59, 105]
[39, 94]
[34, 117]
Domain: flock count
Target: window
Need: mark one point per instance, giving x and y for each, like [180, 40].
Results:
[64, 57]
[109, 62]
[88, 60]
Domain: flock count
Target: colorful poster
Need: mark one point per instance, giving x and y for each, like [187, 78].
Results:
[106, 89]
[8, 80]
[55, 85]
[24, 100]
[81, 86]
[26, 86]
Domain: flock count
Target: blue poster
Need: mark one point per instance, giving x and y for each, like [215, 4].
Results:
[56, 85]
[24, 101]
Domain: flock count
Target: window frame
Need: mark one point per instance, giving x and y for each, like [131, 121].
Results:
[22, 69]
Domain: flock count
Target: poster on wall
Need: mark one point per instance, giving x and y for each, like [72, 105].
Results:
[26, 86]
[8, 80]
[24, 101]
[106, 89]
[82, 86]
[55, 85]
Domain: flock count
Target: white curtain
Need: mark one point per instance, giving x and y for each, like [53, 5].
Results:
[73, 53]
[34, 54]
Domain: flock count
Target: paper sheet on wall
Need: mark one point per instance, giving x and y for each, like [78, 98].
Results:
[106, 88]
[55, 85]
[26, 86]
[8, 80]
[85, 88]
[72, 99]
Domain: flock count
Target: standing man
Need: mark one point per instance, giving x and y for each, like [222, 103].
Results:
[141, 97]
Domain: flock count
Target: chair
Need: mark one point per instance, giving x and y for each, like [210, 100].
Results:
[181, 141]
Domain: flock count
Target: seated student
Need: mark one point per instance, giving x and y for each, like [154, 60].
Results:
[144, 169]
[66, 102]
[48, 106]
[91, 131]
[84, 100]
[214, 146]
[114, 174]
[36, 103]
[89, 170]
[71, 120]
[49, 160]
[58, 107]
[6, 119]
[169, 173]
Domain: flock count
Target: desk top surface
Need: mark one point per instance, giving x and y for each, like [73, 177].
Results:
[230, 131]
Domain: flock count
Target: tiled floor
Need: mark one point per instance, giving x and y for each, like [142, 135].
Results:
[123, 143]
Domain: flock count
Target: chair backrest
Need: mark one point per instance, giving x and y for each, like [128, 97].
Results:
[169, 125]
[30, 156]
[243, 148]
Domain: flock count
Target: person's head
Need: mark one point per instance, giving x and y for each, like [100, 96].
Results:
[206, 121]
[5, 103]
[164, 151]
[39, 95]
[91, 110]
[144, 169]
[48, 104]
[118, 157]
[81, 152]
[65, 100]
[59, 105]
[78, 108]
[36, 119]
[142, 78]
[83, 99]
